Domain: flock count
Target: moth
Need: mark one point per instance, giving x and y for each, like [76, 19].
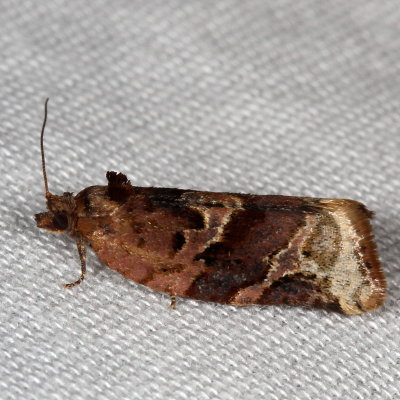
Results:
[232, 248]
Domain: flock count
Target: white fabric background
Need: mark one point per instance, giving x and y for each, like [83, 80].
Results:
[289, 97]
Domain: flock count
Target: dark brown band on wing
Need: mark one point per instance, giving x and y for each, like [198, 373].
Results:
[237, 261]
[297, 289]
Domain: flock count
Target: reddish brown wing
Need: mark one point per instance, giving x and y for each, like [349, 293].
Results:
[221, 247]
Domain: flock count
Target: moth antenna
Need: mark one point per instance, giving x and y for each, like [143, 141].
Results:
[46, 186]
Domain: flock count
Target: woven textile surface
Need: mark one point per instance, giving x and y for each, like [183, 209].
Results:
[290, 97]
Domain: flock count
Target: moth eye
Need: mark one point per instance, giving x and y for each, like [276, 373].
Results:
[60, 220]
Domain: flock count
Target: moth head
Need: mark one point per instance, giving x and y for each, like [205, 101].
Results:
[59, 217]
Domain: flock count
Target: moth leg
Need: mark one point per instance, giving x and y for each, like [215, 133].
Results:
[82, 255]
[173, 302]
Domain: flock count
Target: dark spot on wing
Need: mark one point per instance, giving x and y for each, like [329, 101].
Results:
[178, 241]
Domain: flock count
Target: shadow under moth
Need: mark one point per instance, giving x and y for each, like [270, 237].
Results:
[239, 249]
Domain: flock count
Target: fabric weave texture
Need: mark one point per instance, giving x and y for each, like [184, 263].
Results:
[291, 97]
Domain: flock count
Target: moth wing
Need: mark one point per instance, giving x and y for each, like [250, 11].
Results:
[241, 249]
